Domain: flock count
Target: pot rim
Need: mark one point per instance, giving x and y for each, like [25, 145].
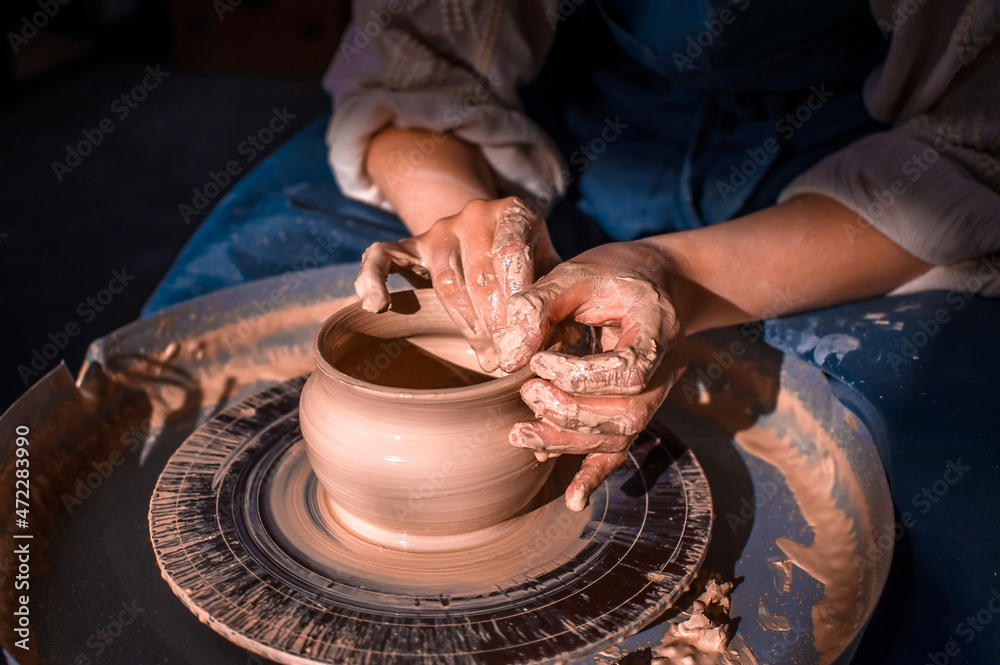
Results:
[428, 300]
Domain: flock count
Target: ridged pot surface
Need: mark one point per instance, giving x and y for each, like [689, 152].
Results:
[405, 463]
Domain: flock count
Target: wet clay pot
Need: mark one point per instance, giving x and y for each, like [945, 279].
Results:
[406, 434]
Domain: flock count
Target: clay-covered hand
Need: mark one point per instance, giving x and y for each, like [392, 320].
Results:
[475, 261]
[597, 404]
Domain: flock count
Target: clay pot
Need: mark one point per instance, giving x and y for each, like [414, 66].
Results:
[412, 451]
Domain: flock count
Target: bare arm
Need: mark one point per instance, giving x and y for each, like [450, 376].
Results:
[647, 295]
[803, 254]
[427, 175]
[475, 249]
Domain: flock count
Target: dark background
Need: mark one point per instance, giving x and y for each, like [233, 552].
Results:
[227, 66]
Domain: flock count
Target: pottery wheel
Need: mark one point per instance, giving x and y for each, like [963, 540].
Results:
[244, 535]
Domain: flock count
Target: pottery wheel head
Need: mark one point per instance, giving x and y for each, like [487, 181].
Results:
[247, 539]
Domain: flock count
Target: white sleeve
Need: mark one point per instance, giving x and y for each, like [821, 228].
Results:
[932, 182]
[449, 65]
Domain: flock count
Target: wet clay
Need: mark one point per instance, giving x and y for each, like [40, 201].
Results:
[399, 363]
[246, 539]
[414, 455]
[701, 639]
[813, 472]
[306, 522]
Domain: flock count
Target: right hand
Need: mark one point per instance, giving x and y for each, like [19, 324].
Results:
[596, 405]
[475, 260]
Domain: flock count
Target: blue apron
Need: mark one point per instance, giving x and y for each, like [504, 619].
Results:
[674, 115]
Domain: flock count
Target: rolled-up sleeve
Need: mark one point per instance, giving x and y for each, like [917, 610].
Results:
[932, 182]
[452, 66]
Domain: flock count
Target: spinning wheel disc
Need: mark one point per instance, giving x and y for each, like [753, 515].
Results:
[245, 537]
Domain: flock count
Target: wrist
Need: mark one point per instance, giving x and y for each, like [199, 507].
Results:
[666, 266]
[427, 176]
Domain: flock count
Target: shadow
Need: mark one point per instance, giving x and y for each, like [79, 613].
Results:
[721, 394]
[661, 447]
[405, 302]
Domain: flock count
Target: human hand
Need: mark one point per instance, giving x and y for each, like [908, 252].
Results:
[475, 260]
[595, 405]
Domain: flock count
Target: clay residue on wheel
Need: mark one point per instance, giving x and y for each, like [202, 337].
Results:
[204, 372]
[818, 472]
[701, 639]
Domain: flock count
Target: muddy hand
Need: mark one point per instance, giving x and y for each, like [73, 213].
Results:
[594, 405]
[475, 260]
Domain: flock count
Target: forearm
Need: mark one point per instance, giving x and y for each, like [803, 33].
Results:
[427, 176]
[787, 258]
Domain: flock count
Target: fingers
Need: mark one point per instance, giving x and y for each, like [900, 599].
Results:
[532, 312]
[496, 270]
[542, 437]
[511, 249]
[484, 287]
[594, 296]
[591, 414]
[595, 470]
[380, 259]
[622, 372]
[628, 369]
[453, 292]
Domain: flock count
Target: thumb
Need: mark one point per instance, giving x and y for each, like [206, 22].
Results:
[531, 313]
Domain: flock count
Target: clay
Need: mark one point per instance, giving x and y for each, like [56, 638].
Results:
[245, 538]
[399, 363]
[511, 251]
[636, 307]
[470, 564]
[812, 473]
[702, 638]
[770, 621]
[412, 450]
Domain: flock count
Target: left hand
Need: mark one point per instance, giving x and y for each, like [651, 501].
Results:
[598, 404]
[475, 260]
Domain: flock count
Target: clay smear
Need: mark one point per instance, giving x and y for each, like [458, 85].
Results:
[832, 557]
[703, 637]
[217, 363]
[628, 302]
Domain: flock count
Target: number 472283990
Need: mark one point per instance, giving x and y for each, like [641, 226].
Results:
[22, 486]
